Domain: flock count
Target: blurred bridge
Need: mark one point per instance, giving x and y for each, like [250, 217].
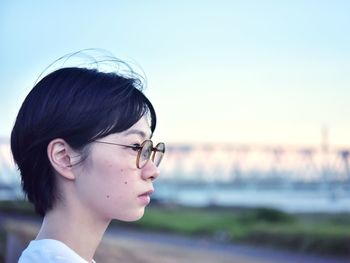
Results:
[9, 177]
[232, 164]
[260, 164]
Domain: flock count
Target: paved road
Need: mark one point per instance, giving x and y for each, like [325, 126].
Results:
[149, 247]
[136, 246]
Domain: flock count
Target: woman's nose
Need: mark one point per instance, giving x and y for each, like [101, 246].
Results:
[150, 171]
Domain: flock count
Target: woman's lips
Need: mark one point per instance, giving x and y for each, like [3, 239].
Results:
[145, 198]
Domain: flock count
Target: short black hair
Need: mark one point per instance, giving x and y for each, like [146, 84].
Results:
[78, 105]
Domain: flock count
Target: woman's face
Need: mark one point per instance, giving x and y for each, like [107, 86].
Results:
[109, 183]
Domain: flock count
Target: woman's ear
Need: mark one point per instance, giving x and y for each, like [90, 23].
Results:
[60, 156]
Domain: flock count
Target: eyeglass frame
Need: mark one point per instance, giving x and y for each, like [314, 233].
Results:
[139, 150]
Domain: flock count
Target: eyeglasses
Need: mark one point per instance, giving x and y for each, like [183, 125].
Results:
[145, 152]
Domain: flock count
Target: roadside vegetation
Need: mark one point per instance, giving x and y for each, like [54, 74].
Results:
[326, 234]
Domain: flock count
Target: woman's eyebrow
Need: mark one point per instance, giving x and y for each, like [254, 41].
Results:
[138, 132]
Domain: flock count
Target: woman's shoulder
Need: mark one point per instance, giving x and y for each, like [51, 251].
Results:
[50, 251]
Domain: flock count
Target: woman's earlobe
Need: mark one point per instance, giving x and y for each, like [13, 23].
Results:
[58, 152]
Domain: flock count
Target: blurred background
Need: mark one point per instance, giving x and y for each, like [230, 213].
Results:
[252, 103]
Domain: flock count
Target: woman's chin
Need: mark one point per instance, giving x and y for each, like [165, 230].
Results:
[137, 215]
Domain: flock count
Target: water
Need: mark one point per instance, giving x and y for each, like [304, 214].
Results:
[289, 200]
[294, 199]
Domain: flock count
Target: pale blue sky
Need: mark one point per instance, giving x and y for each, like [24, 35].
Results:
[218, 71]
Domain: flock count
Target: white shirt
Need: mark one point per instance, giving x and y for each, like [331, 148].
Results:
[50, 251]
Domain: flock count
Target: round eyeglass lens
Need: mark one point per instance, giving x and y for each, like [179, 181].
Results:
[145, 154]
[159, 153]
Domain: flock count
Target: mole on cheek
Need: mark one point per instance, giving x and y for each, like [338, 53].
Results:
[107, 196]
[121, 170]
[125, 182]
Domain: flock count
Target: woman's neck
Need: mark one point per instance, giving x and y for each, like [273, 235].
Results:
[75, 228]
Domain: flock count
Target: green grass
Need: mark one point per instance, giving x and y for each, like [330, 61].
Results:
[317, 238]
[2, 243]
[17, 207]
[187, 221]
[315, 233]
[261, 226]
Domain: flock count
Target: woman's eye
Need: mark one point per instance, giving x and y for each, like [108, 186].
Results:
[136, 147]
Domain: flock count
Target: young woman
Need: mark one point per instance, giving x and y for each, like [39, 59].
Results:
[82, 144]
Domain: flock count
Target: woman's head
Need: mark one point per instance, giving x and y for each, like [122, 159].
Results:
[78, 106]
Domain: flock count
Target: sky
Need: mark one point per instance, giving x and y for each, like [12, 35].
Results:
[266, 72]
